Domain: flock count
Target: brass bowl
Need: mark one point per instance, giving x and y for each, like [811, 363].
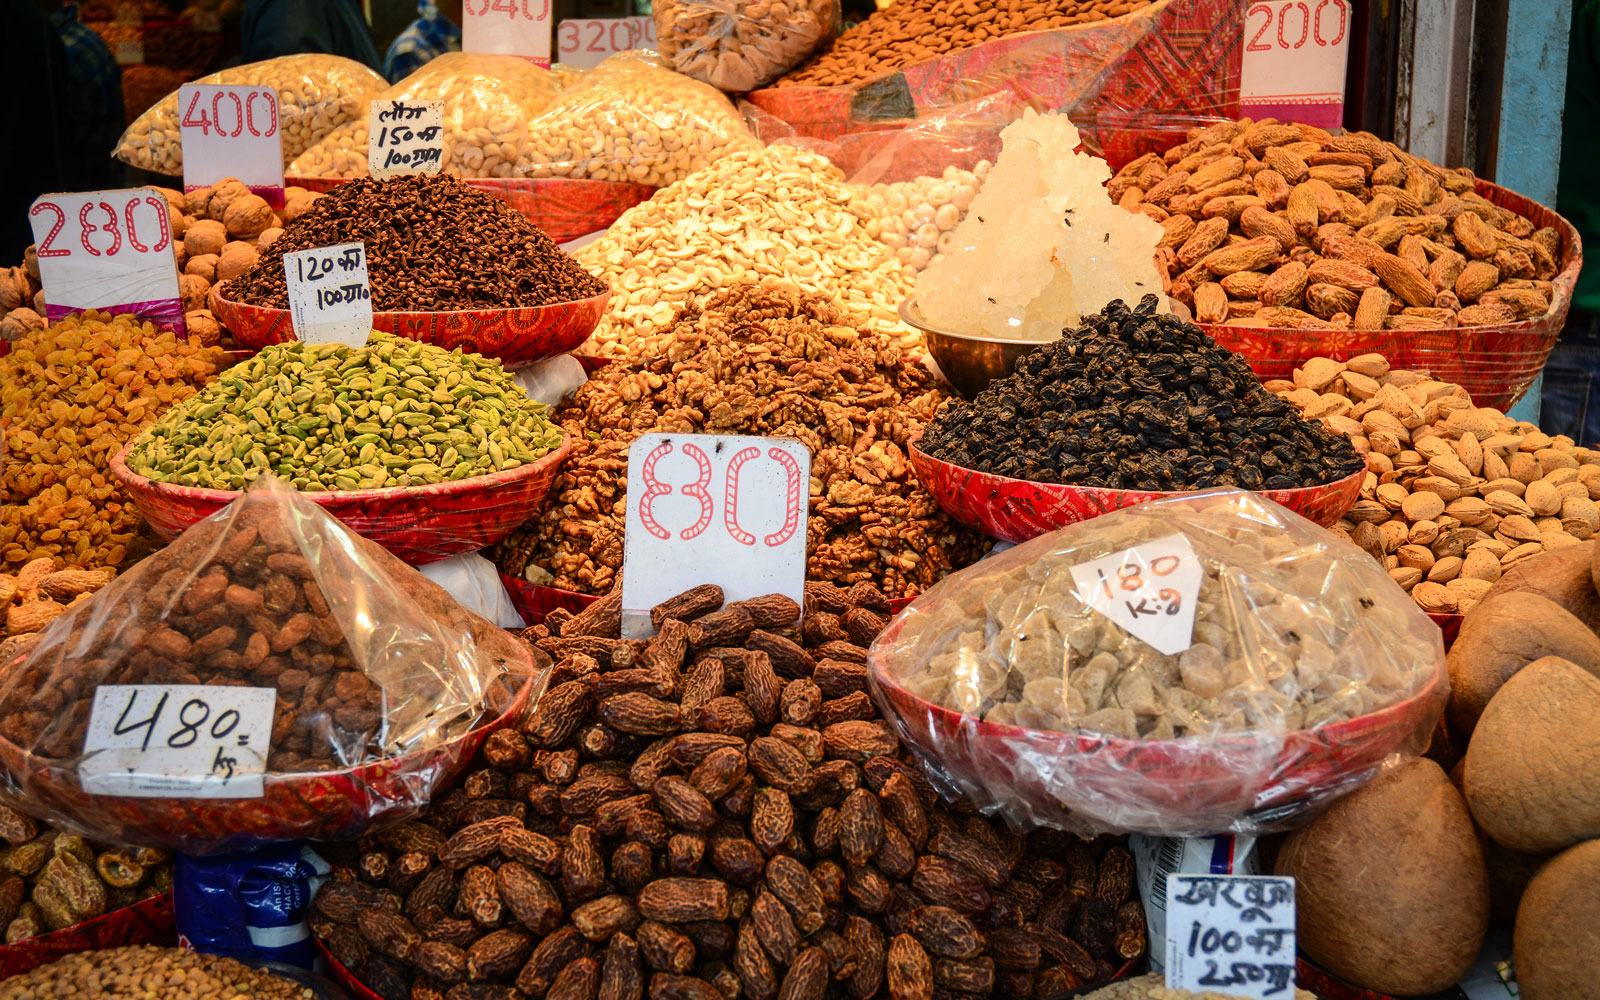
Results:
[968, 363]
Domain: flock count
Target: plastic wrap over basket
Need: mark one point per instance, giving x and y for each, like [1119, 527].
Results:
[1495, 364]
[149, 921]
[739, 45]
[1305, 667]
[382, 686]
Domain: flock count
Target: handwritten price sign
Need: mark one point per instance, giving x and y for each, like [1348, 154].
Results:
[405, 137]
[584, 42]
[734, 508]
[329, 298]
[108, 250]
[508, 27]
[231, 132]
[1294, 60]
[1231, 934]
[193, 741]
[1148, 590]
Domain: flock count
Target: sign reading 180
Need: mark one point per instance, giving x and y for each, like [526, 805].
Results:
[532, 10]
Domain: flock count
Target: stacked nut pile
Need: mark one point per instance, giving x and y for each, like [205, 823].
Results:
[1454, 493]
[916, 218]
[38, 594]
[73, 394]
[778, 213]
[719, 810]
[50, 880]
[757, 360]
[138, 972]
[1289, 226]
[743, 45]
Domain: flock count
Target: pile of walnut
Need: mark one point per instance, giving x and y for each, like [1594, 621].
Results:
[1275, 225]
[38, 594]
[715, 812]
[1455, 494]
[217, 232]
[50, 880]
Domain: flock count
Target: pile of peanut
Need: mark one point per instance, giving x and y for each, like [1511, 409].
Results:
[37, 595]
[144, 972]
[1274, 225]
[1454, 493]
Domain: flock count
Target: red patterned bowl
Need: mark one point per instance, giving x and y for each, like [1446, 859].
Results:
[1015, 510]
[564, 208]
[1496, 364]
[420, 524]
[517, 336]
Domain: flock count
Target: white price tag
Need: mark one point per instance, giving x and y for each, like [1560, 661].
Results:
[231, 132]
[108, 250]
[130, 52]
[196, 741]
[1294, 61]
[583, 42]
[1231, 934]
[508, 28]
[732, 509]
[405, 137]
[329, 299]
[1148, 590]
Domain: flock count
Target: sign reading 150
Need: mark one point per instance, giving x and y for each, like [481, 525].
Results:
[795, 488]
[120, 228]
[532, 10]
[1298, 22]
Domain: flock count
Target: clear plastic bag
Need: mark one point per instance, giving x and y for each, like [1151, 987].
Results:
[1302, 668]
[375, 681]
[317, 93]
[632, 119]
[739, 45]
[488, 102]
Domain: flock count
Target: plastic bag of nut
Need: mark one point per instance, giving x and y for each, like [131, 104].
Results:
[375, 686]
[316, 94]
[739, 45]
[1191, 666]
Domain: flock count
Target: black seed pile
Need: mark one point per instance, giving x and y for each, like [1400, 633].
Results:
[433, 244]
[1134, 400]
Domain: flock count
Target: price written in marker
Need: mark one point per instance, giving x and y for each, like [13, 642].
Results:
[329, 298]
[732, 508]
[507, 27]
[584, 42]
[1293, 67]
[108, 250]
[1148, 590]
[231, 132]
[1231, 934]
[405, 137]
[196, 741]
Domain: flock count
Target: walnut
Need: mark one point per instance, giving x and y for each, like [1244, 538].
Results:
[203, 266]
[248, 217]
[203, 326]
[205, 236]
[193, 288]
[237, 258]
[223, 194]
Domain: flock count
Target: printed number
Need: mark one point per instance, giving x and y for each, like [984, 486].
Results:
[190, 121]
[88, 227]
[162, 221]
[1305, 25]
[530, 10]
[122, 725]
[654, 489]
[271, 102]
[1311, 25]
[697, 490]
[189, 731]
[244, 111]
[599, 33]
[45, 248]
[1256, 44]
[567, 37]
[1344, 16]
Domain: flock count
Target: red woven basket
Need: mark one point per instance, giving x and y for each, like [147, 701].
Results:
[149, 921]
[420, 524]
[1496, 364]
[1015, 510]
[516, 336]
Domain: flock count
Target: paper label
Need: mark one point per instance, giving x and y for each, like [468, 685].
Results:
[1148, 590]
[130, 52]
[583, 42]
[231, 132]
[108, 250]
[195, 741]
[329, 299]
[727, 510]
[1294, 60]
[508, 27]
[1231, 934]
[405, 137]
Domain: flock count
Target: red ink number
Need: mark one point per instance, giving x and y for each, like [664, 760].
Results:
[1283, 22]
[89, 227]
[162, 221]
[697, 490]
[238, 110]
[1256, 44]
[190, 121]
[1344, 16]
[1164, 565]
[45, 249]
[653, 489]
[271, 101]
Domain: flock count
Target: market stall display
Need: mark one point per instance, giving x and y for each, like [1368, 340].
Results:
[37, 594]
[54, 880]
[135, 972]
[916, 218]
[742, 45]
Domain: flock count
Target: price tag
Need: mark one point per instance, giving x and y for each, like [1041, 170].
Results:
[1231, 934]
[196, 741]
[583, 42]
[130, 52]
[231, 132]
[733, 508]
[508, 28]
[108, 250]
[329, 300]
[1294, 61]
[1148, 590]
[405, 137]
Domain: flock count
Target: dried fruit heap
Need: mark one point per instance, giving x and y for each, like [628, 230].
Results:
[1137, 401]
[758, 360]
[718, 809]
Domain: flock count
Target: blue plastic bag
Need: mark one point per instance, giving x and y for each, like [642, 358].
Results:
[251, 905]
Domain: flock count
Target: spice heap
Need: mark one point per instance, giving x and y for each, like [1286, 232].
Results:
[777, 213]
[50, 880]
[134, 972]
[331, 417]
[1136, 400]
[757, 360]
[1289, 226]
[74, 394]
[433, 244]
[913, 31]
[720, 809]
[1455, 494]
